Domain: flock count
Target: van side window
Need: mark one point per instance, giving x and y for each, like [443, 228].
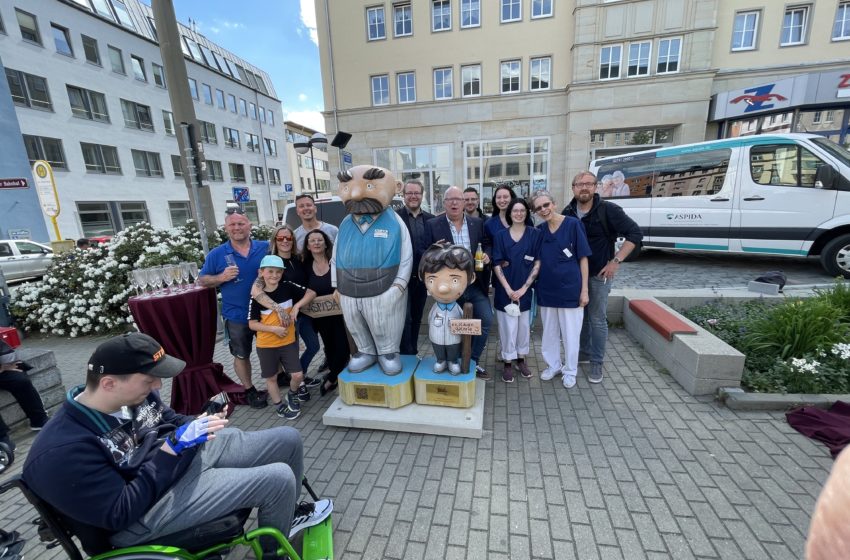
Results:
[696, 174]
[784, 165]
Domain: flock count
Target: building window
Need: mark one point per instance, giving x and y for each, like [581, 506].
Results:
[830, 115]
[841, 27]
[62, 40]
[669, 51]
[541, 73]
[168, 122]
[122, 13]
[817, 117]
[231, 138]
[137, 115]
[231, 102]
[541, 8]
[101, 159]
[29, 27]
[95, 219]
[208, 134]
[470, 13]
[257, 175]
[193, 88]
[441, 15]
[219, 99]
[252, 142]
[639, 54]
[794, 26]
[406, 87]
[2, 26]
[90, 50]
[471, 80]
[262, 115]
[252, 111]
[28, 90]
[237, 172]
[147, 164]
[520, 162]
[158, 74]
[116, 59]
[47, 149]
[510, 73]
[271, 117]
[180, 212]
[380, 90]
[511, 10]
[443, 83]
[274, 176]
[243, 107]
[214, 170]
[745, 31]
[138, 68]
[87, 104]
[403, 20]
[270, 147]
[609, 62]
[375, 23]
[207, 94]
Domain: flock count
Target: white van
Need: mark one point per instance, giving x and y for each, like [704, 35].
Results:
[783, 194]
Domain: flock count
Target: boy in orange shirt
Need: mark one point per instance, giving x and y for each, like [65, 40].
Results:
[277, 344]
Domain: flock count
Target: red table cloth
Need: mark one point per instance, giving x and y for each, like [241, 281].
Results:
[185, 324]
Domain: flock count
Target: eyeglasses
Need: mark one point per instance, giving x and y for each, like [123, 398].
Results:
[471, 199]
[453, 200]
[283, 239]
[586, 184]
[413, 194]
[230, 211]
[542, 206]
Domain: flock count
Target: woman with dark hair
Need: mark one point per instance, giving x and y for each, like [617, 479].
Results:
[498, 221]
[516, 263]
[317, 252]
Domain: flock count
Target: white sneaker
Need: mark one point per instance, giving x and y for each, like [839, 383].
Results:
[549, 373]
[569, 381]
[440, 367]
[308, 514]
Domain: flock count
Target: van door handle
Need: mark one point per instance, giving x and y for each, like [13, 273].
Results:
[750, 198]
[719, 199]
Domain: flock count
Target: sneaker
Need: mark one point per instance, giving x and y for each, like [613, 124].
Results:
[481, 373]
[255, 398]
[292, 401]
[284, 411]
[309, 514]
[508, 373]
[523, 369]
[595, 375]
[549, 373]
[303, 393]
[440, 367]
[312, 382]
[454, 368]
[569, 381]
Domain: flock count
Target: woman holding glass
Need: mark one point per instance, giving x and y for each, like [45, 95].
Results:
[516, 264]
[317, 252]
[561, 287]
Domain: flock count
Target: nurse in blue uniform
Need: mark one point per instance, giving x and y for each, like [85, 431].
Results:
[561, 287]
[516, 263]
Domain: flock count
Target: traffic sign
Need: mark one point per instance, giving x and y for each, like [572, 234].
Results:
[13, 183]
[287, 187]
[241, 194]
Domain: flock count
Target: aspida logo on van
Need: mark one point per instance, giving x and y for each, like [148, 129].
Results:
[683, 217]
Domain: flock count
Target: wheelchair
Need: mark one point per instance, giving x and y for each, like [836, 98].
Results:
[213, 541]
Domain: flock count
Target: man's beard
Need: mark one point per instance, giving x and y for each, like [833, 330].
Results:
[364, 206]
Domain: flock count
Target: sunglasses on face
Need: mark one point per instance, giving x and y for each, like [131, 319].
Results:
[230, 211]
[283, 239]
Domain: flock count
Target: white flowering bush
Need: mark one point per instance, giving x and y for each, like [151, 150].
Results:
[86, 292]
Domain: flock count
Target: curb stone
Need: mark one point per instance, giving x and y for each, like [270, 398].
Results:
[737, 399]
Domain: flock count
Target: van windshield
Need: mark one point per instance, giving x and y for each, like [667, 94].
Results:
[833, 149]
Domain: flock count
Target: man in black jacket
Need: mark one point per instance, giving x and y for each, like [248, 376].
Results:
[603, 222]
[414, 218]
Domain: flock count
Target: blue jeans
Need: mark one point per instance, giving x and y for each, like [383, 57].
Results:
[594, 328]
[481, 309]
[310, 338]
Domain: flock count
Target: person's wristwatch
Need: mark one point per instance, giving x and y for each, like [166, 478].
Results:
[617, 260]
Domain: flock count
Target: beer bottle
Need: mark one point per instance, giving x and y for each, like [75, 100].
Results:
[479, 259]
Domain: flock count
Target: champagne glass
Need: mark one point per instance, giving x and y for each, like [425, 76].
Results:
[232, 262]
[193, 270]
[177, 276]
[168, 277]
[184, 274]
[155, 279]
[136, 280]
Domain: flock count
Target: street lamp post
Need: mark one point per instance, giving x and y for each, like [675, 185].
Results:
[304, 147]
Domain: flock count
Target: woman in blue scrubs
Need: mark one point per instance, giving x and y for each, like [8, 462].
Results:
[516, 263]
[561, 287]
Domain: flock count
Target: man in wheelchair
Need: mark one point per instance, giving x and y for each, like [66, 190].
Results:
[123, 468]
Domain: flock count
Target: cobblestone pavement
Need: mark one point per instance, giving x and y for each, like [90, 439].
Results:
[632, 468]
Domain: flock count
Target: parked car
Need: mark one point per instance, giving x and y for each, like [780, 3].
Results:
[20, 258]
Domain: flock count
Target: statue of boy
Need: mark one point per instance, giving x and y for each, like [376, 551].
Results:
[371, 264]
[446, 270]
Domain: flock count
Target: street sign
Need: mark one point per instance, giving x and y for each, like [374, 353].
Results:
[19, 234]
[241, 194]
[346, 160]
[287, 187]
[13, 184]
[45, 186]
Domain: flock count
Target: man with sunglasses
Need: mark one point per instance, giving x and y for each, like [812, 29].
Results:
[603, 223]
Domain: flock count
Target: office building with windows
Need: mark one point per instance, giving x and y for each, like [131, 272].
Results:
[526, 92]
[90, 96]
[302, 166]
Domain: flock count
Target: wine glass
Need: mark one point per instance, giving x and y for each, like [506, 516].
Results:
[168, 277]
[193, 270]
[177, 276]
[155, 279]
[184, 274]
[232, 262]
[136, 280]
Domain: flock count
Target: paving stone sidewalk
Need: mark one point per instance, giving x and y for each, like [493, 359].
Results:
[632, 468]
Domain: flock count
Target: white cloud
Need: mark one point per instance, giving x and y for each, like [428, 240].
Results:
[302, 97]
[312, 119]
[308, 18]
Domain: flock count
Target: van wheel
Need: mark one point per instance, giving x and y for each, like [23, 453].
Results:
[835, 257]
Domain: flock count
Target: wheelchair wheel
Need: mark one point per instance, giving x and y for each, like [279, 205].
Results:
[141, 555]
[7, 457]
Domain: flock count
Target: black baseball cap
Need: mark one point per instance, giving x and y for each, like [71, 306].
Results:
[134, 353]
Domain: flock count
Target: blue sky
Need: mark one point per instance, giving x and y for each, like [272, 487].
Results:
[278, 36]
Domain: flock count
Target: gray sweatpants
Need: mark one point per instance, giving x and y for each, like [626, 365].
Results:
[236, 470]
[376, 323]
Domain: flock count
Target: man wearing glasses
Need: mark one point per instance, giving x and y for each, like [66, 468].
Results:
[467, 231]
[414, 218]
[470, 203]
[603, 223]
